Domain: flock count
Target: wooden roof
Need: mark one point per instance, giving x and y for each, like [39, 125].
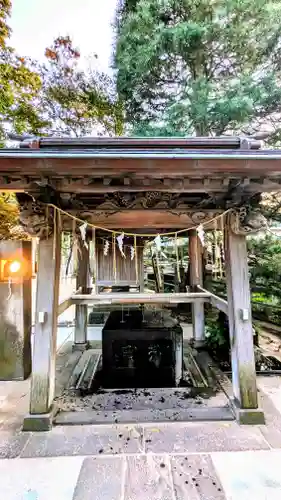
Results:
[96, 164]
[132, 183]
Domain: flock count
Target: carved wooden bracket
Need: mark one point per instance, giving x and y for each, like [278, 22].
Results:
[36, 219]
[245, 220]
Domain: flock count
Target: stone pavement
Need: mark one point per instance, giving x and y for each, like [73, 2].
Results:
[194, 461]
[216, 476]
[173, 461]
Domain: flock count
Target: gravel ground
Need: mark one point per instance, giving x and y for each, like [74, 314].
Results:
[139, 399]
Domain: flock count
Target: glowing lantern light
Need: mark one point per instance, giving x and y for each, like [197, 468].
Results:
[14, 267]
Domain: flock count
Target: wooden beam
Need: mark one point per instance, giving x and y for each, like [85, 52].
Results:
[170, 185]
[144, 166]
[43, 366]
[140, 298]
[144, 218]
[64, 305]
[91, 184]
[219, 303]
[216, 301]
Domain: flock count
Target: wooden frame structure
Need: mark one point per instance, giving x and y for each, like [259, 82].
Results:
[145, 186]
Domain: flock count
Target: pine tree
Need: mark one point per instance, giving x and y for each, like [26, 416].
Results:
[201, 67]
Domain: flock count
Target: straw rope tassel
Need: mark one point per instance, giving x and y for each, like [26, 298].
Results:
[221, 247]
[94, 270]
[136, 259]
[177, 257]
[47, 218]
[74, 245]
[114, 256]
[55, 233]
[216, 249]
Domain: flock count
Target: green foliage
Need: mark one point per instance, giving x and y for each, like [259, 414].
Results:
[271, 206]
[9, 218]
[217, 335]
[5, 31]
[77, 102]
[198, 67]
[19, 85]
[265, 265]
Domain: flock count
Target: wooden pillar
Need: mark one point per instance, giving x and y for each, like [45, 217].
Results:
[44, 355]
[141, 268]
[81, 311]
[240, 328]
[196, 278]
[15, 314]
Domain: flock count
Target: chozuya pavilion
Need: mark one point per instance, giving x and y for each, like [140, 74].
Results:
[136, 190]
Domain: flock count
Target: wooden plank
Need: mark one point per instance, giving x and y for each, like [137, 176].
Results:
[79, 367]
[43, 366]
[125, 267]
[140, 298]
[196, 278]
[240, 321]
[194, 371]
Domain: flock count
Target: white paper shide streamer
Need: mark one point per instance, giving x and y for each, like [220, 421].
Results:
[132, 251]
[120, 242]
[201, 234]
[157, 242]
[83, 230]
[106, 248]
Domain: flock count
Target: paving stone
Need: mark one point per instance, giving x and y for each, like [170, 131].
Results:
[203, 437]
[195, 478]
[11, 445]
[272, 388]
[44, 479]
[272, 430]
[250, 475]
[84, 440]
[148, 477]
[100, 479]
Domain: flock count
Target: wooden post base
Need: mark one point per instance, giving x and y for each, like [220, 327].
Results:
[199, 344]
[83, 346]
[40, 421]
[249, 416]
